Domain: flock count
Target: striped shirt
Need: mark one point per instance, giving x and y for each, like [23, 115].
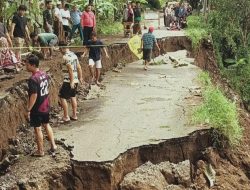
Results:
[148, 40]
[88, 19]
[75, 17]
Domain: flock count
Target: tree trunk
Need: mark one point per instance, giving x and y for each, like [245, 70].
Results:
[1, 11]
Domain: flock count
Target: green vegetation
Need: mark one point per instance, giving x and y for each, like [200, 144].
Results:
[197, 30]
[219, 112]
[107, 29]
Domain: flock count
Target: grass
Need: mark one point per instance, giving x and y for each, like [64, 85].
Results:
[219, 112]
[110, 28]
[196, 30]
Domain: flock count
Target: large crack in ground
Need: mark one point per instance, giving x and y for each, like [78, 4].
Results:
[63, 172]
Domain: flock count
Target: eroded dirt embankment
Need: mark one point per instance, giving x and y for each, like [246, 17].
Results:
[13, 96]
[91, 175]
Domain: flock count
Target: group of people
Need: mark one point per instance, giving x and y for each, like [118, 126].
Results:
[175, 15]
[38, 85]
[38, 107]
[63, 21]
[59, 24]
[132, 15]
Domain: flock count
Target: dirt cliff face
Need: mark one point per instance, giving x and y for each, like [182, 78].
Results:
[13, 97]
[90, 175]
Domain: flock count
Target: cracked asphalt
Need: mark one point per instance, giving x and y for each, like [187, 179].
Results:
[136, 108]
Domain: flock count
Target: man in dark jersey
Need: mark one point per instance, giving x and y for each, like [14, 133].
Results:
[38, 104]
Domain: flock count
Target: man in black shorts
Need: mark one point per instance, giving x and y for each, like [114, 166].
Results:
[38, 104]
[147, 44]
[72, 75]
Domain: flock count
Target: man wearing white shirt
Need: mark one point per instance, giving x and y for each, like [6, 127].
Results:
[58, 28]
[65, 20]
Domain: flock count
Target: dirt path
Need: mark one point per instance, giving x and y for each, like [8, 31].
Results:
[136, 108]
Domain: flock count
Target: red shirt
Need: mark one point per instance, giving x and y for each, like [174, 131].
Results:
[88, 19]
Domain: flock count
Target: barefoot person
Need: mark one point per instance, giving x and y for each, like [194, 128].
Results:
[148, 41]
[72, 75]
[38, 104]
[94, 46]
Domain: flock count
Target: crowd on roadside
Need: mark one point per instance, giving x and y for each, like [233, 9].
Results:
[132, 16]
[58, 26]
[175, 15]
[57, 22]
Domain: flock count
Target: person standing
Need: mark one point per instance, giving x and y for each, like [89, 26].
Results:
[58, 27]
[137, 18]
[164, 14]
[168, 15]
[94, 47]
[19, 30]
[88, 22]
[7, 57]
[48, 17]
[65, 21]
[38, 104]
[75, 15]
[147, 44]
[72, 75]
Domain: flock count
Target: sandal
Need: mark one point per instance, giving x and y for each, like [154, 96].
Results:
[63, 121]
[37, 154]
[52, 151]
[73, 119]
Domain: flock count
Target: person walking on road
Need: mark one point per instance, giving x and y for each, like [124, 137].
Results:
[72, 75]
[94, 45]
[88, 21]
[148, 41]
[38, 104]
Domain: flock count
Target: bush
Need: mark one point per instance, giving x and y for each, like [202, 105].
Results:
[219, 112]
[196, 30]
[155, 4]
[108, 28]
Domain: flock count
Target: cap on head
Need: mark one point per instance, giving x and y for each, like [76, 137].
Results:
[58, 2]
[151, 29]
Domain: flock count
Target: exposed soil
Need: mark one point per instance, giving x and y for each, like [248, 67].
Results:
[232, 166]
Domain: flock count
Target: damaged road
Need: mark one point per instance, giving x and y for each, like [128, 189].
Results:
[137, 108]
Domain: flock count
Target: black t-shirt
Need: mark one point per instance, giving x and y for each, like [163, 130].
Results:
[48, 17]
[3, 30]
[94, 52]
[137, 12]
[176, 11]
[21, 23]
[39, 84]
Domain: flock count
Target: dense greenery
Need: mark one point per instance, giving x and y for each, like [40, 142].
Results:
[197, 30]
[219, 112]
[228, 24]
[106, 29]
